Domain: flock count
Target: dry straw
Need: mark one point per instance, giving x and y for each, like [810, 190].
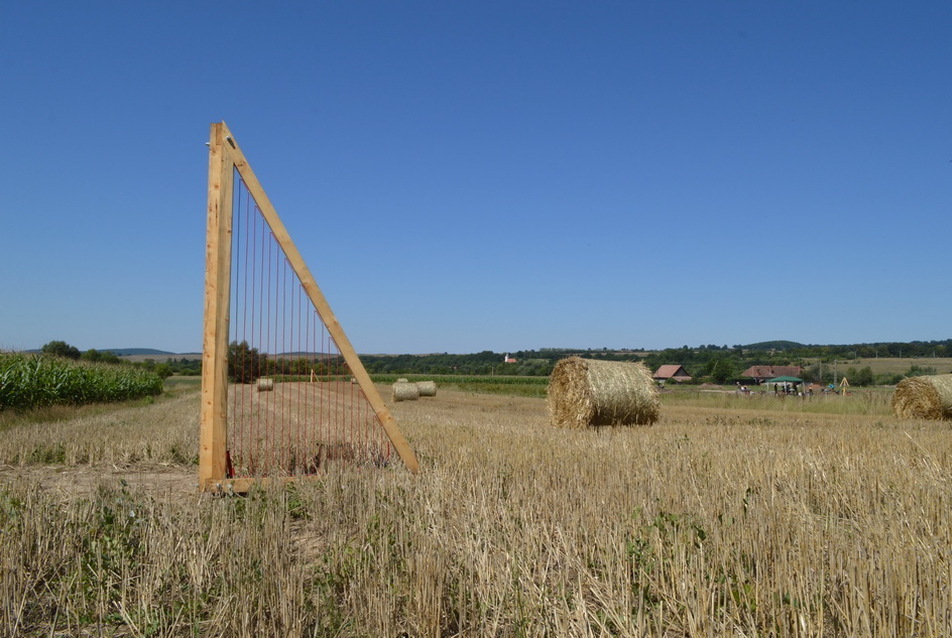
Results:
[584, 392]
[426, 388]
[265, 385]
[405, 392]
[926, 397]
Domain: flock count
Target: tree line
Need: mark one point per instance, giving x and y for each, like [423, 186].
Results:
[182, 366]
[718, 364]
[246, 364]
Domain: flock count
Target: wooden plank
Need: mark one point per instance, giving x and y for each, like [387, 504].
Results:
[243, 485]
[214, 409]
[320, 302]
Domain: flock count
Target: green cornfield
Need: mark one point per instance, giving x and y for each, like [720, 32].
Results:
[32, 381]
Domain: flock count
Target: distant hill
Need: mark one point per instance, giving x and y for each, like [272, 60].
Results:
[774, 345]
[129, 352]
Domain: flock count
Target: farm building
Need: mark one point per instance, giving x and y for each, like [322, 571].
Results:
[672, 372]
[764, 373]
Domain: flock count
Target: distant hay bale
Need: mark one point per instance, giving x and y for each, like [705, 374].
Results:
[405, 392]
[426, 388]
[265, 385]
[926, 397]
[584, 392]
[402, 381]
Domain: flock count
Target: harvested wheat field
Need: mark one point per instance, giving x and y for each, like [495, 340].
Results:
[740, 520]
[298, 427]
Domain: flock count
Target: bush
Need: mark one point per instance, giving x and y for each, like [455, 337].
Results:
[164, 370]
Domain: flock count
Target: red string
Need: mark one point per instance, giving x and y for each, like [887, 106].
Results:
[252, 414]
[281, 431]
[236, 242]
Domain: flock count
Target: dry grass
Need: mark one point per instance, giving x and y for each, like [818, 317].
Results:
[894, 365]
[866, 401]
[297, 427]
[161, 434]
[714, 521]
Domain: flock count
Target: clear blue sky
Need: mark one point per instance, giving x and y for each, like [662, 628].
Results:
[467, 176]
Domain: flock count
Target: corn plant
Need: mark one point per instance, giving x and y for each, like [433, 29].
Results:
[31, 381]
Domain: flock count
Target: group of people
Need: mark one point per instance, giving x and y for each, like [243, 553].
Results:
[787, 388]
[780, 389]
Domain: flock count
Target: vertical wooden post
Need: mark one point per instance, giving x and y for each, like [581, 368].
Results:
[214, 410]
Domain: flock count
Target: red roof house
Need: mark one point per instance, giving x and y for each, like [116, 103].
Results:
[672, 372]
[765, 373]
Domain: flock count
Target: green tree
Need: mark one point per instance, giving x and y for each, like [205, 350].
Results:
[811, 374]
[722, 370]
[245, 364]
[96, 356]
[61, 349]
[861, 377]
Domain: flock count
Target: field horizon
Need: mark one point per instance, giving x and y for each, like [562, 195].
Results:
[879, 365]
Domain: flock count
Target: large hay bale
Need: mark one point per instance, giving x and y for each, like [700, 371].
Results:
[405, 392]
[927, 397]
[265, 385]
[584, 392]
[426, 388]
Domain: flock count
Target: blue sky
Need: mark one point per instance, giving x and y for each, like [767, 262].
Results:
[488, 175]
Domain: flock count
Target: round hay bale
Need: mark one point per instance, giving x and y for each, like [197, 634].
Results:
[405, 392]
[584, 392]
[402, 381]
[265, 385]
[426, 388]
[927, 397]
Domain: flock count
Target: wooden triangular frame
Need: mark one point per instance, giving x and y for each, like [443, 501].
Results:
[225, 157]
